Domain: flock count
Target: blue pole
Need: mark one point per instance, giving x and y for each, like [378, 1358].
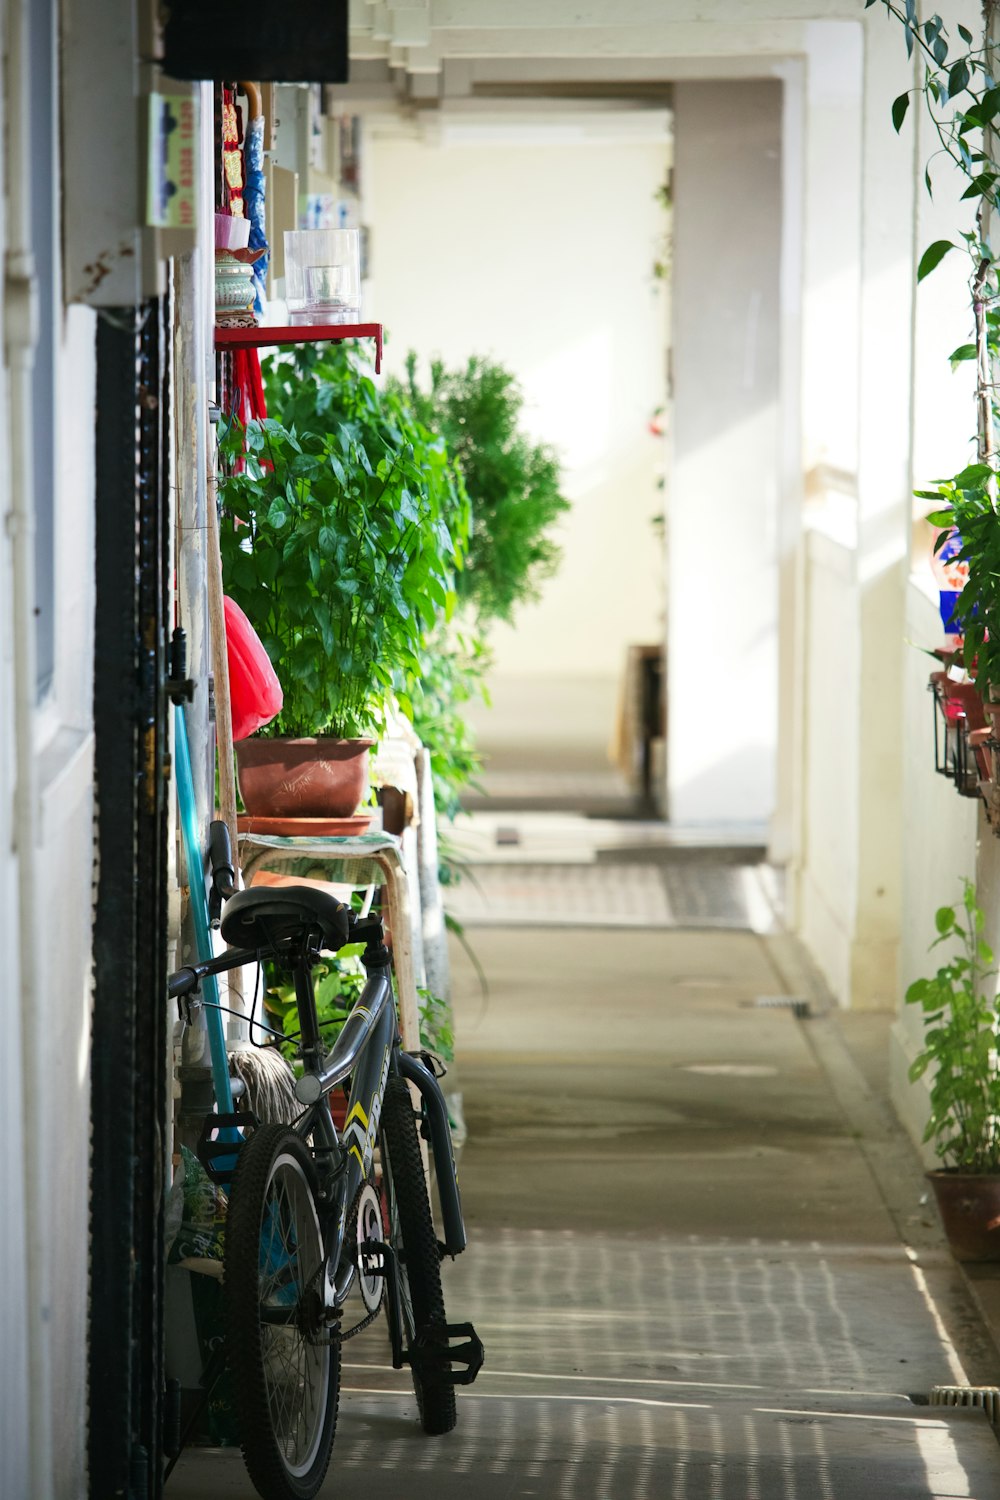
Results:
[199, 912]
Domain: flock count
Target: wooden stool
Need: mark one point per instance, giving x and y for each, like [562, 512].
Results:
[362, 860]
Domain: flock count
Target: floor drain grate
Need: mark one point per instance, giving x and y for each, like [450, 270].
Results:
[986, 1397]
[795, 1003]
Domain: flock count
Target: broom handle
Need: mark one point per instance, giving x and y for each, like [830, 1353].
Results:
[223, 705]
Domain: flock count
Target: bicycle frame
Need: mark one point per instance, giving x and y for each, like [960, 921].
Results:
[368, 1049]
[365, 1048]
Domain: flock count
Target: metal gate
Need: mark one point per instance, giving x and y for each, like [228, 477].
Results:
[129, 1054]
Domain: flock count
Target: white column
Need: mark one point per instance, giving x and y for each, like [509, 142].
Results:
[722, 497]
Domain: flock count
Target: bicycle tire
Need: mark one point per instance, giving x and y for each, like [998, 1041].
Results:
[411, 1234]
[286, 1382]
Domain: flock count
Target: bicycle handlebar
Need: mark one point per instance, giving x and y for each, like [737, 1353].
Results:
[189, 978]
[181, 983]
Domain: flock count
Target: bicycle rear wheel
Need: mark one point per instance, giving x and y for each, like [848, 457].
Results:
[286, 1366]
[412, 1236]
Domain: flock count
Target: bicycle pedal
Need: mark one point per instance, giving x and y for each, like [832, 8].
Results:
[376, 1257]
[430, 1355]
[219, 1157]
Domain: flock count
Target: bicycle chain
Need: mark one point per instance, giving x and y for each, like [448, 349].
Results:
[340, 1335]
[350, 1332]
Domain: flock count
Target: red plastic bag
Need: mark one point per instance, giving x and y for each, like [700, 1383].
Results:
[254, 690]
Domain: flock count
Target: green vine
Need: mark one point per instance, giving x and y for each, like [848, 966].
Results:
[962, 99]
[947, 78]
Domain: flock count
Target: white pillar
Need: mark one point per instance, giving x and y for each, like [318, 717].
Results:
[722, 498]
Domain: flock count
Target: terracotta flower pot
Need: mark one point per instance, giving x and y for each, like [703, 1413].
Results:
[969, 1205]
[960, 698]
[308, 778]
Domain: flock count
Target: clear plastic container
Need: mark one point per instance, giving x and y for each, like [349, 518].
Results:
[323, 273]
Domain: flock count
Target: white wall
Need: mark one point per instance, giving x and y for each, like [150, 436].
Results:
[829, 850]
[14, 1445]
[46, 821]
[723, 496]
[534, 243]
[66, 864]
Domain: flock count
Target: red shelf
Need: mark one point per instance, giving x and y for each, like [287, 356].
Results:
[300, 333]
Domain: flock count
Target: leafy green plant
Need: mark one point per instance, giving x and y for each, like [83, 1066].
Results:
[513, 487]
[455, 664]
[338, 982]
[961, 1017]
[969, 506]
[437, 1025]
[513, 482]
[341, 540]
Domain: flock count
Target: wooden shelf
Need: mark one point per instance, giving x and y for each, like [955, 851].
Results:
[263, 337]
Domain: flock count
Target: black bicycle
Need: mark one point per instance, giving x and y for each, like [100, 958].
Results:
[315, 1213]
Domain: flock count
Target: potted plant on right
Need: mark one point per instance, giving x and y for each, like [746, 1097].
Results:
[969, 537]
[341, 548]
[961, 1016]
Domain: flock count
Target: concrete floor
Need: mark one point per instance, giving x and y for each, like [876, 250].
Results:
[701, 1259]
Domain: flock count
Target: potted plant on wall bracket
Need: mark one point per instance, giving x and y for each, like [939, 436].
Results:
[960, 731]
[961, 1016]
[968, 511]
[967, 505]
[341, 548]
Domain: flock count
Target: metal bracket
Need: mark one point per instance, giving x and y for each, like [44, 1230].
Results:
[179, 686]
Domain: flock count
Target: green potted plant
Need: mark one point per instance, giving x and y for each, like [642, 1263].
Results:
[961, 1016]
[513, 484]
[512, 480]
[340, 537]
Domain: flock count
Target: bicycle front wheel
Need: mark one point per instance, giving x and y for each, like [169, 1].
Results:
[285, 1364]
[412, 1236]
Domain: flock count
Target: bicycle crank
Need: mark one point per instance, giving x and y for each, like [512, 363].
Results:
[369, 1250]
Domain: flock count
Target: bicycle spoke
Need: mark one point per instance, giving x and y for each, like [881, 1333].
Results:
[291, 1368]
[287, 1372]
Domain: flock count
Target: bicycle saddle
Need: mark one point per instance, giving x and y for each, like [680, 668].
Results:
[272, 914]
